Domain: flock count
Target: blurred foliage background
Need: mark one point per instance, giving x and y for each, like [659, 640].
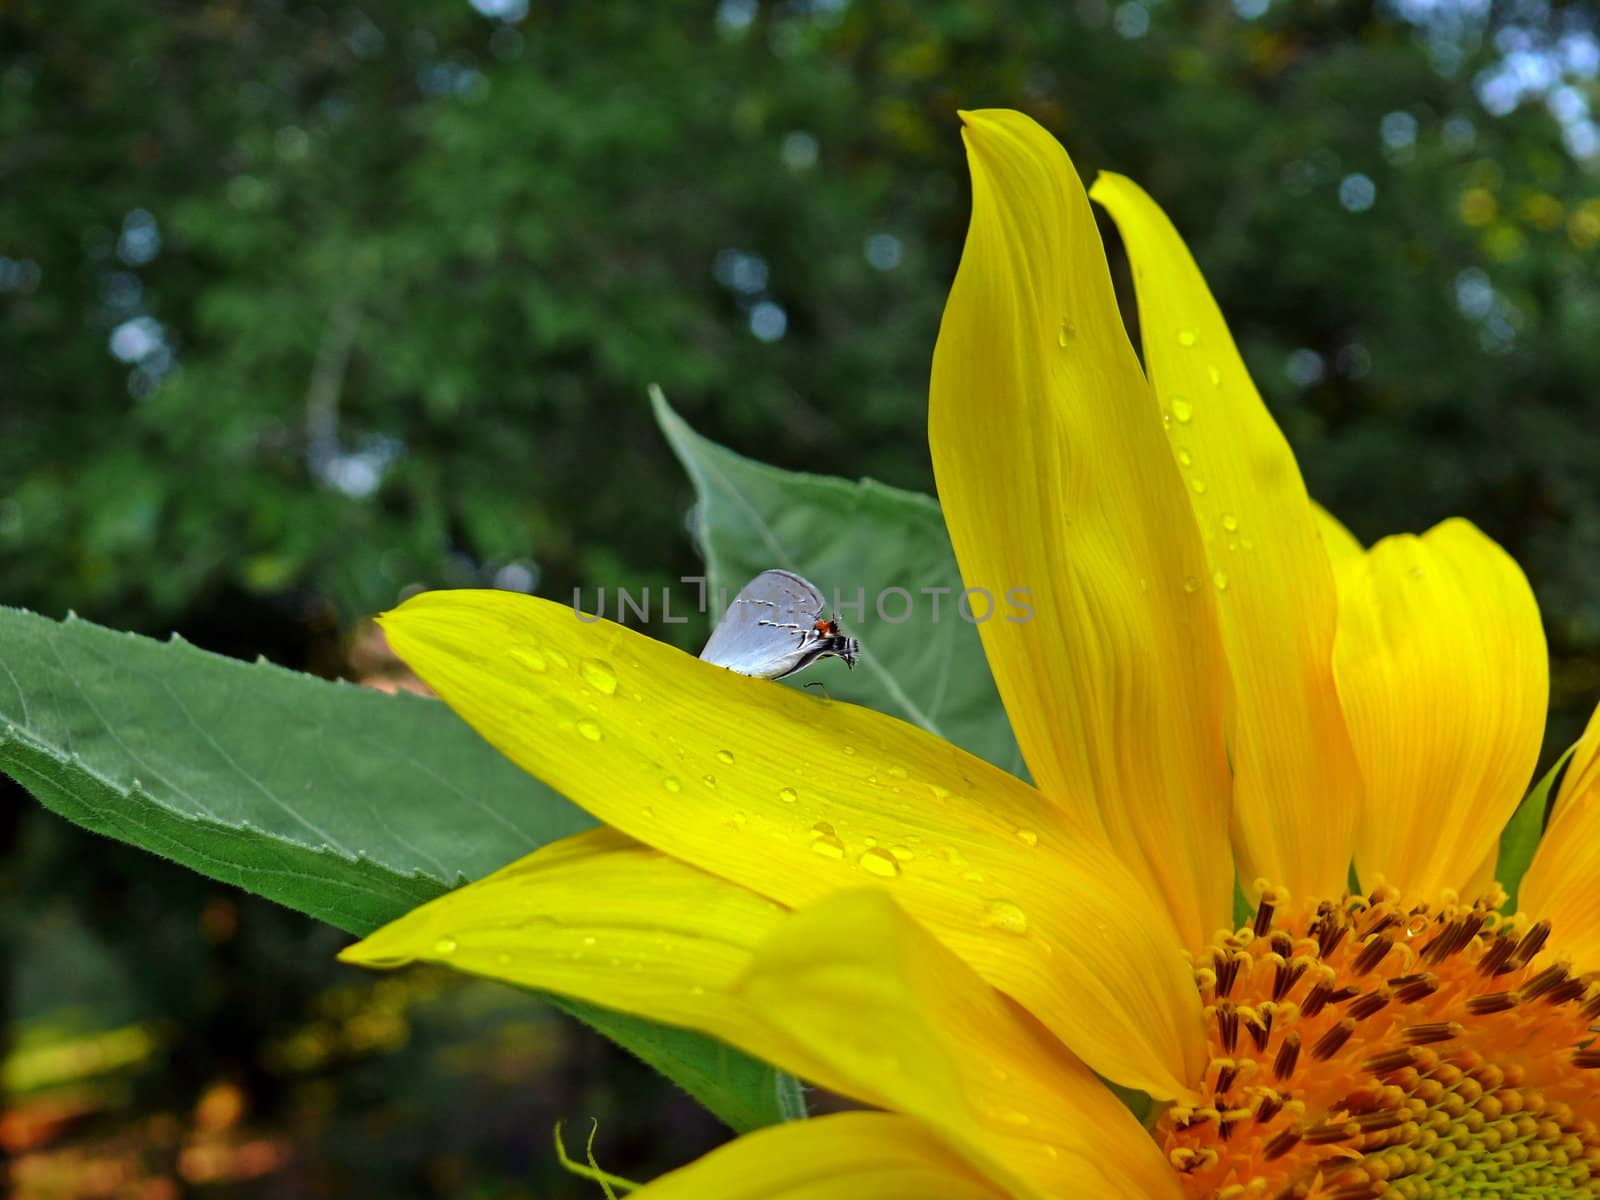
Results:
[302, 305]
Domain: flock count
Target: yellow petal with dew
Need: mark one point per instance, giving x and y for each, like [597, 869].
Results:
[1444, 679]
[1563, 881]
[795, 797]
[599, 917]
[1057, 485]
[864, 987]
[847, 1156]
[603, 918]
[1295, 778]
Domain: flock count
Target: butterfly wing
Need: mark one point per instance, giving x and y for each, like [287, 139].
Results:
[769, 629]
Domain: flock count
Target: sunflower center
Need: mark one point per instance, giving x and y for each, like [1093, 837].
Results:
[1374, 1048]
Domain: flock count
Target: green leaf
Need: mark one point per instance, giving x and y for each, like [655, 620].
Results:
[743, 1092]
[848, 538]
[341, 802]
[1520, 838]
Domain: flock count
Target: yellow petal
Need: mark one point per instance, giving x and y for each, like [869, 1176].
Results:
[847, 1156]
[796, 797]
[865, 988]
[1340, 544]
[1295, 779]
[1057, 486]
[1481, 878]
[1563, 881]
[851, 994]
[601, 918]
[1444, 680]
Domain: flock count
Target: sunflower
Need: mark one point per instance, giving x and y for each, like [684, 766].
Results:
[1220, 695]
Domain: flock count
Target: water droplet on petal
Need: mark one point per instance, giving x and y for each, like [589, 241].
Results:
[1220, 578]
[898, 772]
[828, 846]
[1005, 916]
[1187, 337]
[598, 675]
[880, 863]
[788, 795]
[671, 784]
[1230, 522]
[591, 730]
[530, 658]
[445, 945]
[1199, 486]
[1191, 584]
[557, 657]
[847, 750]
[1185, 458]
[709, 780]
[725, 757]
[1027, 837]
[1216, 375]
[1182, 410]
[1065, 333]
